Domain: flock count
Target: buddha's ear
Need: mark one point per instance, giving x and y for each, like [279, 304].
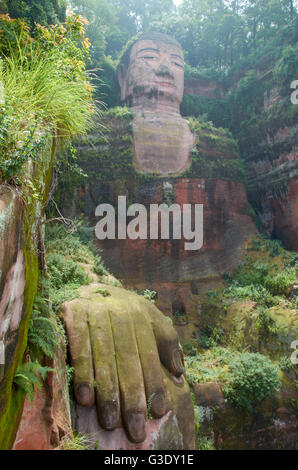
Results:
[122, 74]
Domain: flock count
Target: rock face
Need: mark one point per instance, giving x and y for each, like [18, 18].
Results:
[47, 419]
[270, 425]
[204, 88]
[273, 186]
[208, 394]
[267, 141]
[20, 239]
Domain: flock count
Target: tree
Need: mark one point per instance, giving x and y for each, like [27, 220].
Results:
[44, 12]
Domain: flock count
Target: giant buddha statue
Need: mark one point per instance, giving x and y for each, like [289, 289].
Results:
[149, 154]
[152, 155]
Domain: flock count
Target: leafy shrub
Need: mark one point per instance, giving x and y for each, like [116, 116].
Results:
[66, 293]
[274, 247]
[256, 293]
[58, 239]
[210, 366]
[206, 342]
[120, 112]
[64, 252]
[204, 443]
[64, 271]
[252, 273]
[150, 295]
[264, 321]
[189, 349]
[281, 283]
[286, 364]
[254, 378]
[256, 244]
[211, 337]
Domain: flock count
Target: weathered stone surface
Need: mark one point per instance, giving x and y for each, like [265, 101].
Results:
[240, 324]
[270, 425]
[273, 186]
[205, 88]
[208, 394]
[151, 73]
[162, 142]
[152, 83]
[162, 434]
[20, 238]
[12, 263]
[132, 353]
[179, 276]
[46, 420]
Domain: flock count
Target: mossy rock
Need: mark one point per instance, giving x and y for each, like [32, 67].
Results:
[243, 329]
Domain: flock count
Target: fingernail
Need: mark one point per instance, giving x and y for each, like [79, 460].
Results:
[177, 362]
[137, 427]
[110, 415]
[84, 395]
[158, 407]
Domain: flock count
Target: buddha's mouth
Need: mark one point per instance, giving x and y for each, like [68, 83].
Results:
[166, 84]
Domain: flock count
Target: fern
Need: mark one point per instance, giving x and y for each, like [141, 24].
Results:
[30, 375]
[43, 334]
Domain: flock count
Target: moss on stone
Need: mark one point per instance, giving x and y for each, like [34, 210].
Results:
[11, 399]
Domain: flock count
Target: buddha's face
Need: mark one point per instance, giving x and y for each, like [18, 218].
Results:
[156, 69]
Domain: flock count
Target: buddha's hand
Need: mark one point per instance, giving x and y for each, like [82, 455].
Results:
[117, 342]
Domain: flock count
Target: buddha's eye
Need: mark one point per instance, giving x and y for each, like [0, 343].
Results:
[178, 65]
[149, 57]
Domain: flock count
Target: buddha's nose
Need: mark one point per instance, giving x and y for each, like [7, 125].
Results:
[164, 69]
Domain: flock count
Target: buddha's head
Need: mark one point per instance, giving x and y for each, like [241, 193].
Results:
[151, 72]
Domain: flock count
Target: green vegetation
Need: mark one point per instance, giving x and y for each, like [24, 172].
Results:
[103, 292]
[98, 266]
[44, 12]
[64, 253]
[44, 79]
[77, 441]
[149, 404]
[213, 365]
[30, 375]
[246, 328]
[43, 334]
[64, 276]
[204, 443]
[150, 295]
[253, 378]
[246, 378]
[263, 279]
